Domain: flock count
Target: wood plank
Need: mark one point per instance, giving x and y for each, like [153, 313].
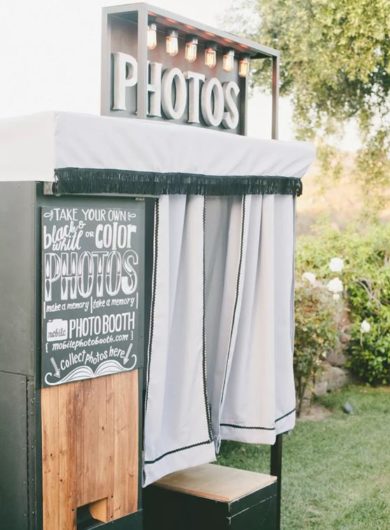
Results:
[215, 482]
[67, 461]
[126, 444]
[103, 450]
[50, 462]
[88, 418]
[78, 426]
[110, 410]
[91, 439]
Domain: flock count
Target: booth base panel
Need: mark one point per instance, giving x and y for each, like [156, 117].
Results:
[184, 507]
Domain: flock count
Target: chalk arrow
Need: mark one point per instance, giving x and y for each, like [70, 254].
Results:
[57, 372]
[127, 356]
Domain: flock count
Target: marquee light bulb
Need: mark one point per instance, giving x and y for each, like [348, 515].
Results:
[172, 43]
[210, 55]
[228, 61]
[152, 36]
[243, 66]
[191, 49]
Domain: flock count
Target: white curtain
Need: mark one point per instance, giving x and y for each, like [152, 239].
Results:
[220, 359]
[176, 432]
[258, 401]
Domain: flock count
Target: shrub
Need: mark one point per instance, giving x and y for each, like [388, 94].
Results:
[365, 251]
[315, 333]
[369, 347]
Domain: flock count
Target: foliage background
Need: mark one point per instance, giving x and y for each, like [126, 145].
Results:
[335, 65]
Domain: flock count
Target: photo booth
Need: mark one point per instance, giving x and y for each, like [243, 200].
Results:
[147, 307]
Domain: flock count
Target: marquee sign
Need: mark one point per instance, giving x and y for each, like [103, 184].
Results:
[160, 66]
[177, 95]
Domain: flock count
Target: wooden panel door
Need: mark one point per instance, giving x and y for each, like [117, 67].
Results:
[90, 453]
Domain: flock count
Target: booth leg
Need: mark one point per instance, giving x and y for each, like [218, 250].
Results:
[276, 470]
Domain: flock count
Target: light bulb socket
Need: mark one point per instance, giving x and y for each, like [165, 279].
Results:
[191, 39]
[173, 33]
[211, 46]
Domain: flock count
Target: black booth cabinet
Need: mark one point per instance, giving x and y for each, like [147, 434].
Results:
[19, 332]
[23, 373]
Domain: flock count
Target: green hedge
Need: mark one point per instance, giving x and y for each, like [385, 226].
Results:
[364, 302]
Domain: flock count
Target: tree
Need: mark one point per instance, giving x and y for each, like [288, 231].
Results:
[335, 65]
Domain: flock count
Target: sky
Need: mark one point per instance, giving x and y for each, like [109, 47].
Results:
[50, 57]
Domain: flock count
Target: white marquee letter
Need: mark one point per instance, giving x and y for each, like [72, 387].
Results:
[194, 80]
[231, 116]
[212, 116]
[125, 75]
[174, 111]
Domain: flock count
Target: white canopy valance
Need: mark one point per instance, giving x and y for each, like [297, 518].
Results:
[33, 147]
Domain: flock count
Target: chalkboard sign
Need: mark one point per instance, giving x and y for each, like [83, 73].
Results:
[92, 290]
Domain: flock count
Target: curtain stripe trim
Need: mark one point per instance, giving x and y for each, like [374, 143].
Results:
[204, 349]
[88, 180]
[153, 300]
[148, 462]
[234, 426]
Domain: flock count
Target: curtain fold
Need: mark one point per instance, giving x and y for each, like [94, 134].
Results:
[223, 241]
[259, 399]
[177, 430]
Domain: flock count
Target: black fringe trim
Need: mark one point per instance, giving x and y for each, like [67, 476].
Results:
[116, 181]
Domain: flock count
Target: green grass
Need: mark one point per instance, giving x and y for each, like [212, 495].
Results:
[336, 472]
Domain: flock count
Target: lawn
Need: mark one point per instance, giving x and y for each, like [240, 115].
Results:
[336, 472]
